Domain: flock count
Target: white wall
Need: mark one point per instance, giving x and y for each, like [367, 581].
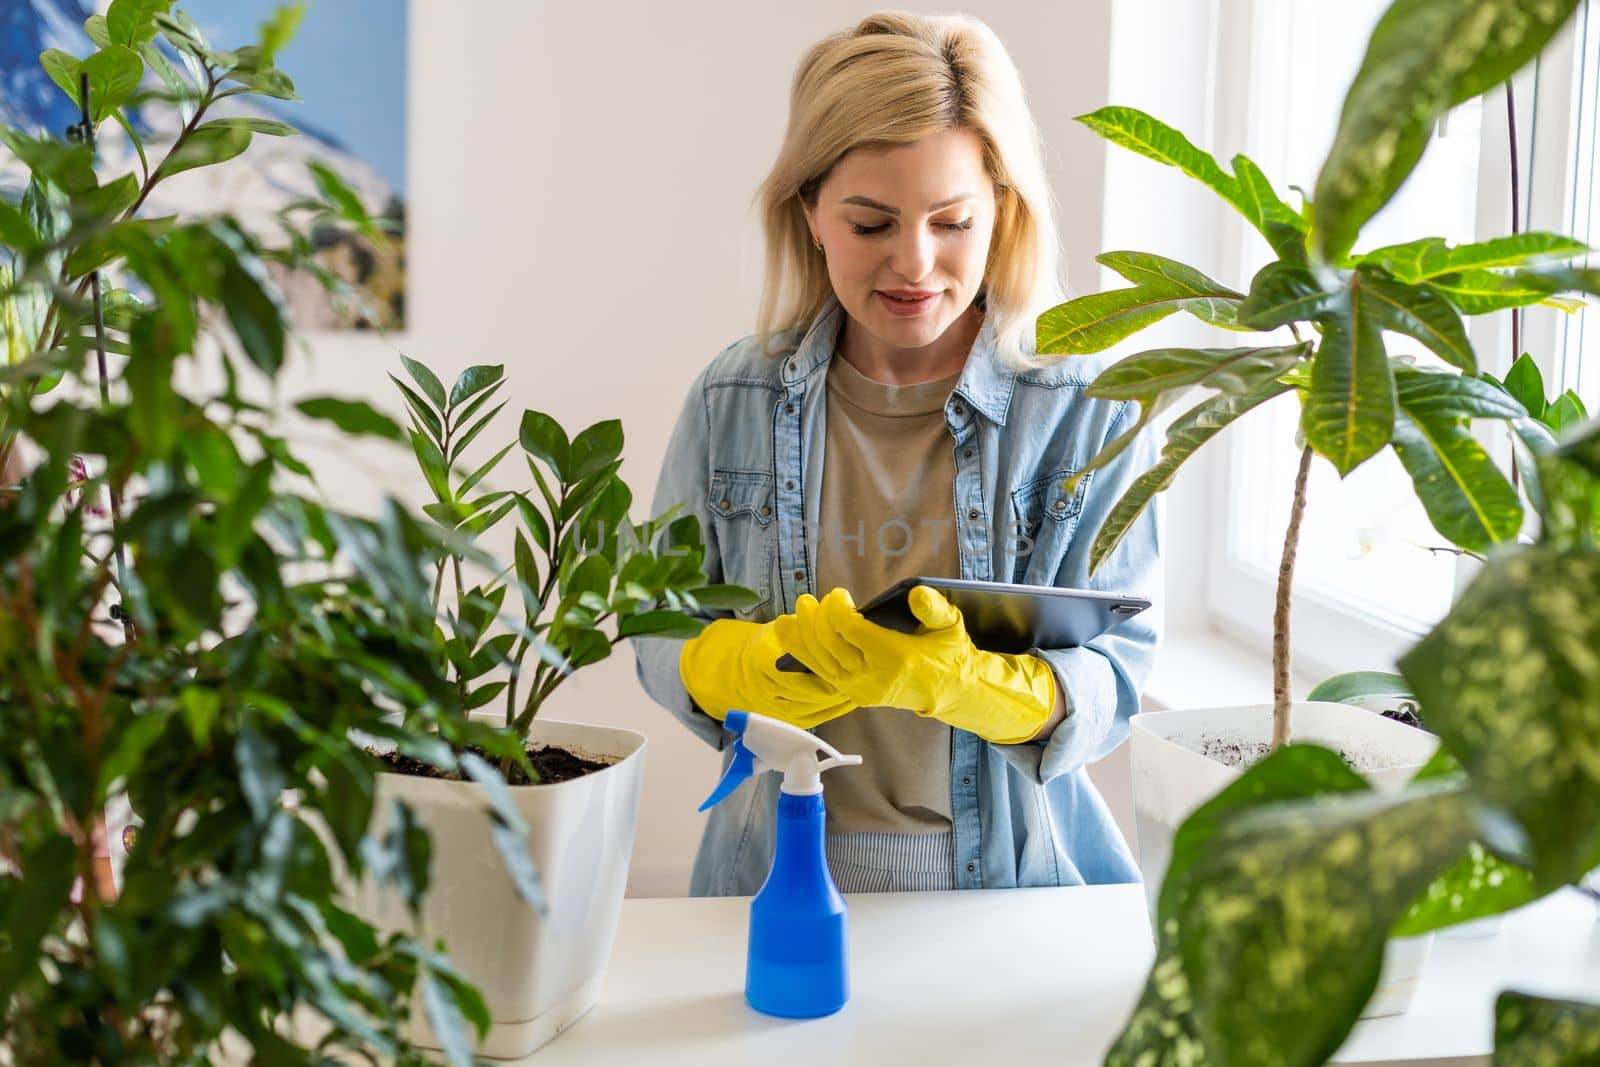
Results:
[580, 209]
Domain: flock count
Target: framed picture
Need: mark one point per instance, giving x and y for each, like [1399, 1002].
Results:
[348, 63]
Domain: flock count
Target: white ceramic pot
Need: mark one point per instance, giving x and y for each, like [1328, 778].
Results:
[1172, 777]
[539, 976]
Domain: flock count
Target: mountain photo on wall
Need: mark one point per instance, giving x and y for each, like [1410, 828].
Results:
[348, 64]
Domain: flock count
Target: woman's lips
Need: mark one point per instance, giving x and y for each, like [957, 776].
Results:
[905, 308]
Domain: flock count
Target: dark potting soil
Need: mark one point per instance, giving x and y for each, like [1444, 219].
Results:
[1404, 713]
[1231, 752]
[552, 763]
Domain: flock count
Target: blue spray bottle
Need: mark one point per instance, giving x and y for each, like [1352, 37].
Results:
[797, 965]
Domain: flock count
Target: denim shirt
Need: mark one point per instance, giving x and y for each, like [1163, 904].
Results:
[746, 457]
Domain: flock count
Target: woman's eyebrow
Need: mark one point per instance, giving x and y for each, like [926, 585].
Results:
[886, 209]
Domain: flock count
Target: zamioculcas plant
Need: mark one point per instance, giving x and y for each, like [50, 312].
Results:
[1284, 888]
[584, 576]
[1356, 397]
[179, 627]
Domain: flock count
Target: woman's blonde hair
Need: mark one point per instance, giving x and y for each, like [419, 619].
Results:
[895, 78]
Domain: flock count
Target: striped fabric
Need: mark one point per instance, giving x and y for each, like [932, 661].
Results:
[892, 863]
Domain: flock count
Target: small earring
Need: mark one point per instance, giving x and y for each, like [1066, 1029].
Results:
[819, 248]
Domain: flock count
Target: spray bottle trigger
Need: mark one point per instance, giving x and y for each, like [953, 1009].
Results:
[743, 765]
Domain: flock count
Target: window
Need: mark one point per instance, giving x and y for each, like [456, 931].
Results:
[1576, 71]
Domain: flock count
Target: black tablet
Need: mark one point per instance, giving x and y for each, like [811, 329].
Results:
[1001, 617]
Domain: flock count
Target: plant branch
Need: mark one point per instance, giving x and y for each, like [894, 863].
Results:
[1280, 622]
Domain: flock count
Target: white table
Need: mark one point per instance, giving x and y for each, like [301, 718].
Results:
[1024, 976]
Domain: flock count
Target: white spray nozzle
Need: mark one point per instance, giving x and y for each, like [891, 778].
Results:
[769, 745]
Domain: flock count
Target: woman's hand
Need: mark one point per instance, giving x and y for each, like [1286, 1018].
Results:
[733, 666]
[937, 671]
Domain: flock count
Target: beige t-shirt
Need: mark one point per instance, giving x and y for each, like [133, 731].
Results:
[886, 514]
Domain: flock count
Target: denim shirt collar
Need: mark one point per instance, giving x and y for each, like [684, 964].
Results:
[985, 383]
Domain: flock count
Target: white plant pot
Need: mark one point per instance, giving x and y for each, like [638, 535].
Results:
[1172, 777]
[539, 976]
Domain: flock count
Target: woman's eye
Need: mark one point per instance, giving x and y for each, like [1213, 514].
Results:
[864, 231]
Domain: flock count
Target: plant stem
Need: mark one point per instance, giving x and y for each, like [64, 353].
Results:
[1280, 622]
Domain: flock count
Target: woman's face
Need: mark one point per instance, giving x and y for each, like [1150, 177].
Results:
[912, 220]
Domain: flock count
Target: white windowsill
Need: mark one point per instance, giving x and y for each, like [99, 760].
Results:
[1203, 668]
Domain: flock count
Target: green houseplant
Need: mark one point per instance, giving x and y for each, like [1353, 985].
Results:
[1358, 392]
[1285, 888]
[180, 627]
[582, 578]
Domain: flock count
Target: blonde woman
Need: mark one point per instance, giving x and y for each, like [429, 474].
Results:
[890, 419]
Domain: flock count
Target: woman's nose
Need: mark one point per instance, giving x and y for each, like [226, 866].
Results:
[913, 255]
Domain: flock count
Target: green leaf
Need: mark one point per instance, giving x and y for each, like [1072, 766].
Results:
[1420, 313]
[1356, 686]
[1478, 292]
[1282, 891]
[482, 472]
[474, 380]
[69, 167]
[419, 407]
[352, 417]
[1153, 139]
[95, 28]
[1349, 414]
[1145, 375]
[535, 521]
[543, 438]
[426, 380]
[510, 831]
[261, 778]
[114, 74]
[106, 202]
[279, 29]
[1280, 224]
[1424, 58]
[1512, 687]
[154, 412]
[270, 127]
[273, 83]
[459, 445]
[595, 448]
[347, 205]
[132, 22]
[257, 317]
[1184, 437]
[1096, 322]
[1282, 293]
[1532, 1031]
[205, 148]
[660, 624]
[1442, 394]
[592, 575]
[434, 470]
[1212, 301]
[1466, 497]
[1164, 1031]
[1524, 382]
[1431, 257]
[448, 1024]
[1476, 886]
[1566, 412]
[725, 597]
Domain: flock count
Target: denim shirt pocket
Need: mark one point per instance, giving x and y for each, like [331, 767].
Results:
[1046, 516]
[742, 506]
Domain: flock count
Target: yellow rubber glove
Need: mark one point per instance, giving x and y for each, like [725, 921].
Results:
[935, 672]
[732, 666]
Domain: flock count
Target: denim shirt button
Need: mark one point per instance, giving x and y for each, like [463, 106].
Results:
[788, 485]
[973, 514]
[966, 779]
[799, 576]
[788, 409]
[967, 454]
[971, 867]
[960, 410]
